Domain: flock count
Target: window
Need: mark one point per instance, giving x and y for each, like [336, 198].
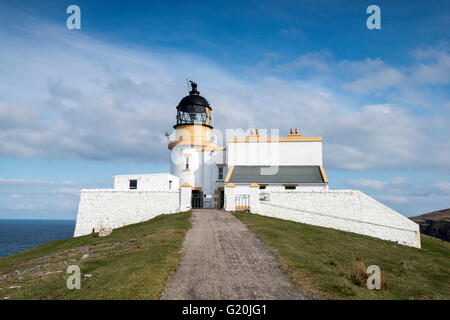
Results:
[290, 187]
[262, 187]
[220, 173]
[170, 184]
[133, 184]
[187, 163]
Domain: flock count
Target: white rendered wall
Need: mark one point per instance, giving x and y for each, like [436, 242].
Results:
[193, 176]
[153, 182]
[110, 208]
[347, 210]
[202, 171]
[269, 153]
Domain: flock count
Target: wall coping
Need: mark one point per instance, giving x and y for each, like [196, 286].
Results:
[341, 218]
[128, 191]
[350, 191]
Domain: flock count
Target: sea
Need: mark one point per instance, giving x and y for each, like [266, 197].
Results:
[20, 235]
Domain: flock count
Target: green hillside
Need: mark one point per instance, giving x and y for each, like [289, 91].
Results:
[134, 262]
[331, 263]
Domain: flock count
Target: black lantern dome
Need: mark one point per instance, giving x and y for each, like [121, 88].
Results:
[194, 109]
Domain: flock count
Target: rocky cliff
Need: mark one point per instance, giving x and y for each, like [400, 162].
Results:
[435, 224]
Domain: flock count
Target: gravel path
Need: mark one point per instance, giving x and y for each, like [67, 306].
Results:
[224, 260]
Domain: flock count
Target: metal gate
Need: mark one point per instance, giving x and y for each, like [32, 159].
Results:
[242, 201]
[222, 199]
[196, 199]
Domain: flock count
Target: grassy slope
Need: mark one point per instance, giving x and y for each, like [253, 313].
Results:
[440, 215]
[134, 262]
[321, 260]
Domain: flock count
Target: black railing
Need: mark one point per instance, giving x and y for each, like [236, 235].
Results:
[193, 118]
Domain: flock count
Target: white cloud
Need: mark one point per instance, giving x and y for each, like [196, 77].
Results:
[408, 195]
[34, 182]
[444, 187]
[367, 183]
[292, 32]
[416, 84]
[66, 95]
[395, 184]
[66, 191]
[379, 80]
[316, 61]
[433, 66]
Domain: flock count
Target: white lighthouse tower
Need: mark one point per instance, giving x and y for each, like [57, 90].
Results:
[195, 157]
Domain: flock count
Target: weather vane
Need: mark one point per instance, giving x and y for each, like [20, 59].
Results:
[194, 88]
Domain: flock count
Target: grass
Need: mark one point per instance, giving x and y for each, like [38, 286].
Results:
[329, 262]
[134, 262]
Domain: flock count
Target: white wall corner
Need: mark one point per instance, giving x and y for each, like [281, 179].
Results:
[185, 198]
[254, 199]
[230, 198]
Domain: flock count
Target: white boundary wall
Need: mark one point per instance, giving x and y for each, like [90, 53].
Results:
[109, 208]
[347, 210]
[148, 182]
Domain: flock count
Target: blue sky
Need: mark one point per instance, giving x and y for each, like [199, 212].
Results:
[79, 106]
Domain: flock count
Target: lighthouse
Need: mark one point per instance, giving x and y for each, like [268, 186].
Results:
[195, 157]
[275, 176]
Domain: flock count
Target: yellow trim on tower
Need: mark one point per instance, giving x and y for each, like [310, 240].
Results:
[191, 134]
[182, 142]
[324, 176]
[197, 188]
[211, 147]
[230, 170]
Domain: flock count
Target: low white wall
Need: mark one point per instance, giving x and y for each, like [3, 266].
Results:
[149, 182]
[347, 210]
[111, 208]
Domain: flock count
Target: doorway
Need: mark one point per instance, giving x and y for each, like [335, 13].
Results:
[197, 199]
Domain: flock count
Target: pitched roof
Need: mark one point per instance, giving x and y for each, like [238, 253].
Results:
[280, 174]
